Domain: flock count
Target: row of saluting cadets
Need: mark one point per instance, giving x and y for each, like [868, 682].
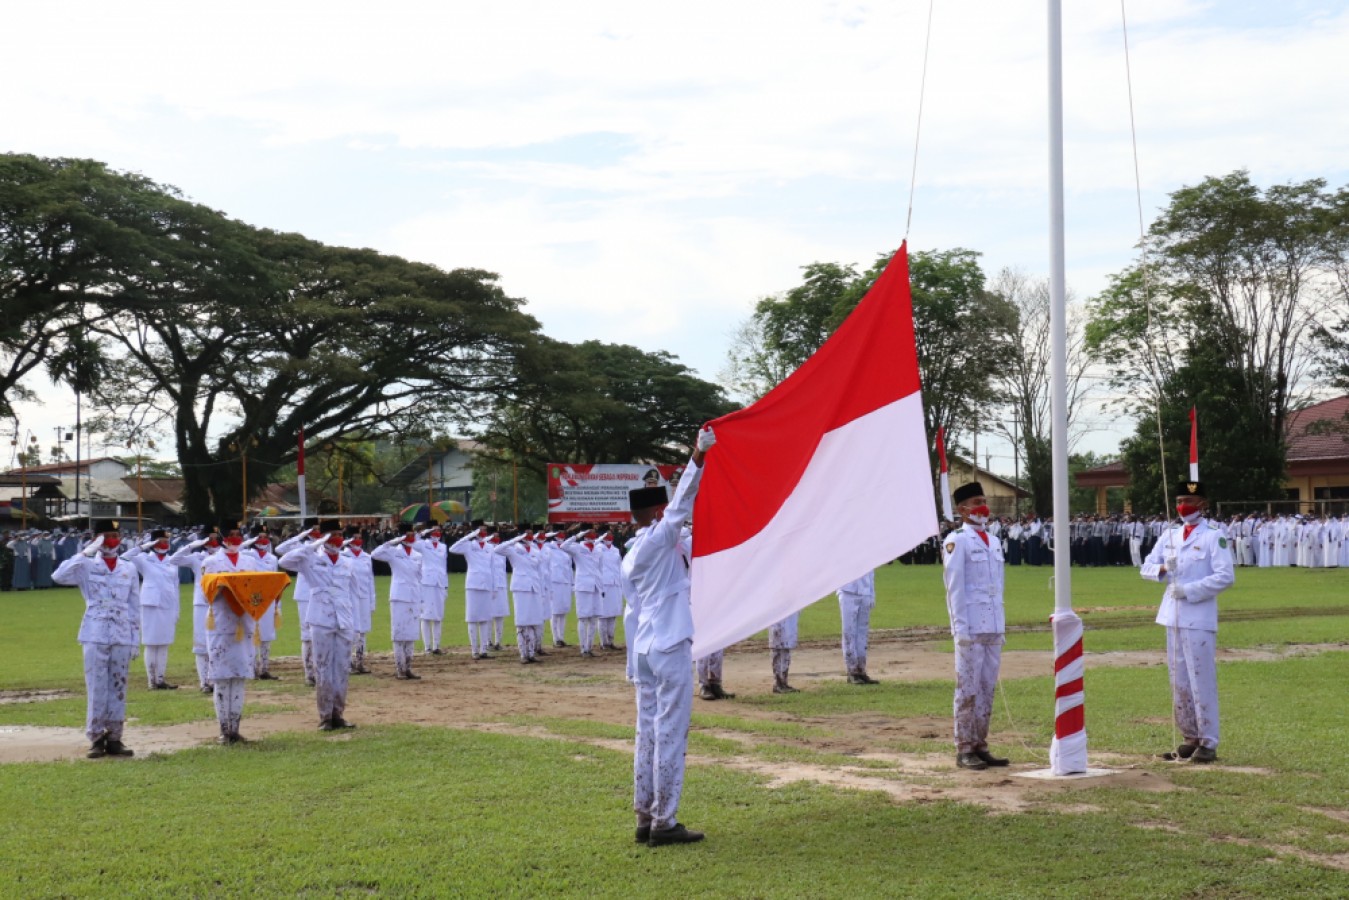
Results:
[335, 595]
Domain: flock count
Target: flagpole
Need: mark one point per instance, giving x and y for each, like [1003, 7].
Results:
[1068, 750]
[299, 482]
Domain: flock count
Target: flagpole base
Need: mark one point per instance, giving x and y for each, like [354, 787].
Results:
[1051, 775]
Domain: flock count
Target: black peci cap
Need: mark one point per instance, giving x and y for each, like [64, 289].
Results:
[647, 498]
[966, 491]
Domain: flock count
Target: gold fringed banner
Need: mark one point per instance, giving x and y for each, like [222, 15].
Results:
[248, 593]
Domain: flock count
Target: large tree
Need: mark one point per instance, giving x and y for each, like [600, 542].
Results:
[1219, 317]
[596, 402]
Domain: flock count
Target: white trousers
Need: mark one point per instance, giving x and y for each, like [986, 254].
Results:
[479, 636]
[358, 653]
[431, 634]
[664, 707]
[585, 631]
[1191, 656]
[527, 637]
[977, 663]
[855, 612]
[107, 668]
[498, 628]
[402, 656]
[229, 704]
[608, 630]
[156, 661]
[557, 622]
[262, 660]
[709, 668]
[332, 665]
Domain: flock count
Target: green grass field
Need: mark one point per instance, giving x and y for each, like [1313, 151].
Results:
[403, 810]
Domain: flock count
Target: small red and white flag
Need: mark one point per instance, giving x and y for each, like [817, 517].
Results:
[1194, 445]
[820, 481]
[299, 481]
[945, 479]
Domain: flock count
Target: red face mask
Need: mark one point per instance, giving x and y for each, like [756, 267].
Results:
[262, 543]
[979, 510]
[112, 542]
[161, 545]
[334, 542]
[1187, 509]
[409, 538]
[232, 543]
[213, 542]
[357, 543]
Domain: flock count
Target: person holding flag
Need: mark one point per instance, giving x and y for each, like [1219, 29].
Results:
[1193, 561]
[191, 557]
[973, 575]
[656, 581]
[229, 634]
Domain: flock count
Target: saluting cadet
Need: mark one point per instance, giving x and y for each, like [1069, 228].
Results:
[405, 595]
[558, 563]
[657, 581]
[973, 576]
[159, 604]
[473, 547]
[260, 545]
[1193, 561]
[588, 583]
[190, 557]
[309, 533]
[109, 633]
[435, 587]
[782, 641]
[363, 595]
[332, 618]
[230, 640]
[611, 601]
[526, 579]
[856, 600]
[501, 605]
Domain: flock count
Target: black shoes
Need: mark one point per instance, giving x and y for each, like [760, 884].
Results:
[337, 723]
[675, 834]
[268, 676]
[117, 748]
[1185, 751]
[528, 660]
[208, 689]
[713, 691]
[231, 739]
[407, 676]
[163, 686]
[861, 678]
[970, 761]
[1200, 755]
[991, 760]
[782, 687]
[437, 652]
[643, 834]
[98, 749]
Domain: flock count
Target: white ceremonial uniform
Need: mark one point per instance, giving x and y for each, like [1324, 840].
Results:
[264, 560]
[973, 574]
[301, 595]
[558, 563]
[192, 558]
[781, 643]
[477, 590]
[589, 586]
[656, 581]
[109, 633]
[611, 601]
[405, 566]
[501, 604]
[856, 600]
[527, 576]
[332, 621]
[1204, 570]
[159, 608]
[363, 597]
[435, 588]
[229, 642]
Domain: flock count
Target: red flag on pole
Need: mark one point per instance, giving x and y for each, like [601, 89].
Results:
[820, 481]
[299, 480]
[945, 479]
[1194, 445]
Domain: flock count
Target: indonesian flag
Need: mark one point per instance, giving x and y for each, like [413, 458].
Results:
[823, 479]
[299, 481]
[1194, 445]
[945, 478]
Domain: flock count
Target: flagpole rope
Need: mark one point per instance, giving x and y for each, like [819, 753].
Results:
[1152, 353]
[918, 130]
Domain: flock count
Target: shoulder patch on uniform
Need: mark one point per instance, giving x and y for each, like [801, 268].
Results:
[950, 546]
[1222, 542]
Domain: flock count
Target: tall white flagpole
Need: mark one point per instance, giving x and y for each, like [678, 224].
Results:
[1068, 751]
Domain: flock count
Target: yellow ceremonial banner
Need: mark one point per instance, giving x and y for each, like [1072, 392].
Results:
[248, 593]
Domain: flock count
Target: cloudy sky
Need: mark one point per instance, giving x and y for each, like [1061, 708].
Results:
[644, 173]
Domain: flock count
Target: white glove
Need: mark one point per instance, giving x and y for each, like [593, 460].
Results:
[706, 438]
[1178, 591]
[148, 546]
[248, 543]
[1172, 564]
[197, 545]
[92, 547]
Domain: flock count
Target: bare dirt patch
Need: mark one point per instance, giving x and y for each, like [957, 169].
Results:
[8, 697]
[495, 695]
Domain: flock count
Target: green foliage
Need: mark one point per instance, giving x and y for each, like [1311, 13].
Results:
[595, 402]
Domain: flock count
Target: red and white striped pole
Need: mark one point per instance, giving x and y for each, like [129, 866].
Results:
[299, 482]
[1068, 750]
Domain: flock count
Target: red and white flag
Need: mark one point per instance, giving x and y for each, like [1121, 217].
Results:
[1194, 445]
[947, 513]
[299, 481]
[823, 479]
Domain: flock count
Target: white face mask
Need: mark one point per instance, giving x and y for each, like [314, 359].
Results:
[979, 520]
[1192, 517]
